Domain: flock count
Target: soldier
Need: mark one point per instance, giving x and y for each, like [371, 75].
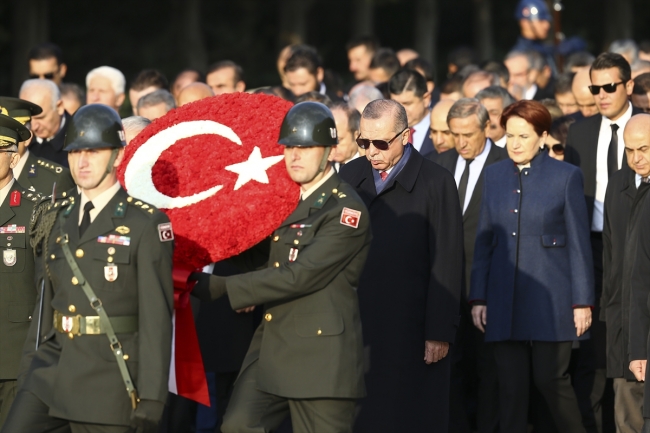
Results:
[306, 358]
[33, 172]
[18, 294]
[98, 352]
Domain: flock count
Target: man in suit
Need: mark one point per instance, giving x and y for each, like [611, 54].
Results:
[638, 264]
[495, 99]
[409, 88]
[439, 132]
[34, 173]
[304, 72]
[49, 125]
[98, 351]
[410, 288]
[596, 145]
[306, 358]
[522, 75]
[469, 123]
[17, 267]
[620, 229]
[347, 128]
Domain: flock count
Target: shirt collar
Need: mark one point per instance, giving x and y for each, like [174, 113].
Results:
[99, 202]
[621, 121]
[311, 190]
[4, 192]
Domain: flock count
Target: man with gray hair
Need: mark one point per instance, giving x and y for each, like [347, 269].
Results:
[410, 287]
[469, 123]
[133, 125]
[626, 48]
[477, 81]
[156, 104]
[495, 99]
[48, 126]
[105, 85]
[522, 75]
[347, 129]
[362, 94]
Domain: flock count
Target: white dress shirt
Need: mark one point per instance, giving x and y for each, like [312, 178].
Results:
[475, 169]
[4, 192]
[99, 202]
[529, 94]
[602, 176]
[421, 131]
[21, 164]
[501, 142]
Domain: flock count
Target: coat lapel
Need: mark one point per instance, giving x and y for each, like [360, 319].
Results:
[306, 206]
[6, 213]
[104, 221]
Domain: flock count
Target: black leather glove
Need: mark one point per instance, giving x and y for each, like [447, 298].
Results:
[208, 287]
[145, 417]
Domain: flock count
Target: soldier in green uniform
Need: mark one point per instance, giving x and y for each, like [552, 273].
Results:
[306, 358]
[17, 290]
[97, 357]
[33, 172]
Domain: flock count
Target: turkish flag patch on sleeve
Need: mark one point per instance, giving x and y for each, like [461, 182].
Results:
[165, 232]
[350, 217]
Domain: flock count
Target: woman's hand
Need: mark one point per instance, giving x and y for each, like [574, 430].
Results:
[582, 320]
[479, 316]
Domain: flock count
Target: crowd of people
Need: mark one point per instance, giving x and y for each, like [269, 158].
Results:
[505, 204]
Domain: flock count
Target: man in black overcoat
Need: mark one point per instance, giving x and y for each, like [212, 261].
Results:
[410, 288]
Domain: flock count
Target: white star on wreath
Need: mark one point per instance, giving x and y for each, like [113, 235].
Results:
[254, 168]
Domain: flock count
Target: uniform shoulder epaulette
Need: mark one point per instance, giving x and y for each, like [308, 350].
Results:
[147, 208]
[32, 195]
[51, 166]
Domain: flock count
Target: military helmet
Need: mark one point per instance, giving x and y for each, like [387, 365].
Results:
[308, 124]
[94, 126]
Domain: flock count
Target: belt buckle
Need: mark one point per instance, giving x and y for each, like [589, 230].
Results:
[70, 325]
[93, 325]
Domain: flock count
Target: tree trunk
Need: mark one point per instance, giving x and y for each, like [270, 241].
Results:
[483, 24]
[426, 30]
[190, 47]
[619, 21]
[293, 22]
[363, 17]
[30, 21]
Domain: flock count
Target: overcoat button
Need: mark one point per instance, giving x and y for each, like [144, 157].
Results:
[268, 317]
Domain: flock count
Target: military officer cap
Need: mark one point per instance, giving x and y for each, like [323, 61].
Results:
[308, 124]
[19, 109]
[12, 131]
[94, 126]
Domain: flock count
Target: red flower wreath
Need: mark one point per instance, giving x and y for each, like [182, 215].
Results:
[220, 178]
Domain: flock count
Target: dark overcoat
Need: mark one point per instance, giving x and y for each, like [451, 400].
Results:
[532, 258]
[409, 293]
[619, 249]
[53, 149]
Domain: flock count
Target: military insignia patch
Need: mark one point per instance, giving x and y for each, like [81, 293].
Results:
[9, 257]
[14, 198]
[32, 171]
[123, 230]
[13, 228]
[110, 273]
[165, 232]
[115, 240]
[293, 254]
[350, 217]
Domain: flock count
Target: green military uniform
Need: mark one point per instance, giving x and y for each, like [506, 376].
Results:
[70, 374]
[38, 174]
[17, 289]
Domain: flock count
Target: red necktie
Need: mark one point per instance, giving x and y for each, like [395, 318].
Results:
[411, 135]
[383, 175]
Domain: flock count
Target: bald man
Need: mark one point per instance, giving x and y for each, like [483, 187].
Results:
[439, 130]
[626, 262]
[194, 92]
[580, 89]
[405, 55]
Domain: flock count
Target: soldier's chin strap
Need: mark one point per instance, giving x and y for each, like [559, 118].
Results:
[109, 167]
[324, 161]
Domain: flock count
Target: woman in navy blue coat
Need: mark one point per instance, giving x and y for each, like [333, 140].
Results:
[532, 285]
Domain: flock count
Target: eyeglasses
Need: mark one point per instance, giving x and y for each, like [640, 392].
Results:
[608, 88]
[48, 76]
[558, 149]
[364, 143]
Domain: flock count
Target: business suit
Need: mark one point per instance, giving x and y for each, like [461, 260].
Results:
[427, 147]
[17, 290]
[53, 149]
[590, 374]
[640, 294]
[306, 357]
[622, 204]
[77, 380]
[476, 358]
[409, 293]
[40, 174]
[532, 222]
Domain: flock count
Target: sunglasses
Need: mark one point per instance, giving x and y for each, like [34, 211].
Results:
[558, 149]
[608, 88]
[48, 76]
[364, 143]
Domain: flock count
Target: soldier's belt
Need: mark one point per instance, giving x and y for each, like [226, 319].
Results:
[91, 325]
